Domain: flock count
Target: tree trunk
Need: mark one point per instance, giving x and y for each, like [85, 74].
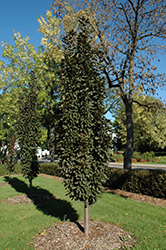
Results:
[130, 136]
[86, 218]
[52, 152]
[30, 187]
[53, 149]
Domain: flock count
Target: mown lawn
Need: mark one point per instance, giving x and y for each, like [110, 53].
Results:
[20, 223]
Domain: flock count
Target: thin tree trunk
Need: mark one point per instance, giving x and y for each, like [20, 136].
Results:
[86, 218]
[130, 136]
[52, 154]
[53, 147]
[30, 187]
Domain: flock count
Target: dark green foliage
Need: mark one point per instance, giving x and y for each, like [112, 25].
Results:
[17, 169]
[10, 160]
[83, 132]
[147, 182]
[50, 169]
[28, 131]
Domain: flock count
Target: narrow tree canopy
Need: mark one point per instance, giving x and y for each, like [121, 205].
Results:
[28, 124]
[83, 133]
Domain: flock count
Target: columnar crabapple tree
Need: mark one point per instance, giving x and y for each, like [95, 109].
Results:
[28, 131]
[83, 133]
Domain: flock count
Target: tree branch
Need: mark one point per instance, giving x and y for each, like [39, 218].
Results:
[149, 105]
[125, 13]
[111, 106]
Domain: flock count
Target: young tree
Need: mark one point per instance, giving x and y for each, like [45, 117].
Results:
[83, 136]
[28, 131]
[128, 33]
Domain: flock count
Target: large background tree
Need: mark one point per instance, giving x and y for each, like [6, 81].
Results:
[8, 116]
[149, 122]
[129, 33]
[19, 60]
[83, 137]
[51, 55]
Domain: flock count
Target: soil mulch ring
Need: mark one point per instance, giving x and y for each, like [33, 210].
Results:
[70, 236]
[25, 199]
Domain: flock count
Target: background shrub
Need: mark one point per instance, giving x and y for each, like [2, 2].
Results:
[136, 155]
[148, 156]
[50, 169]
[141, 160]
[120, 160]
[147, 182]
[3, 169]
[45, 168]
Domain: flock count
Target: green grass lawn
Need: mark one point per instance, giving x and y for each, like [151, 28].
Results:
[20, 223]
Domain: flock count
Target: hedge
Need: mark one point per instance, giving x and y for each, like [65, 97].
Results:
[45, 168]
[147, 182]
[50, 169]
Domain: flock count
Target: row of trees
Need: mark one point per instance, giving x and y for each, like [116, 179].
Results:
[85, 48]
[124, 36]
[83, 137]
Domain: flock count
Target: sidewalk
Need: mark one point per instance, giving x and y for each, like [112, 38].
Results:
[139, 166]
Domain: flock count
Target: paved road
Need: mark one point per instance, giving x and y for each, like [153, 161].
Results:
[46, 160]
[139, 166]
[120, 165]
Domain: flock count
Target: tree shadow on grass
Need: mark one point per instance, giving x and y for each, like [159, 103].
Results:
[45, 201]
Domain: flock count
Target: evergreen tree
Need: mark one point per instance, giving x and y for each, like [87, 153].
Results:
[83, 133]
[28, 131]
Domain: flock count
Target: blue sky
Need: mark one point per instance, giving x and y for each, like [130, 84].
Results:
[22, 15]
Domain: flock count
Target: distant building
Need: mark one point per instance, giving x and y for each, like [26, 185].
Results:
[42, 153]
